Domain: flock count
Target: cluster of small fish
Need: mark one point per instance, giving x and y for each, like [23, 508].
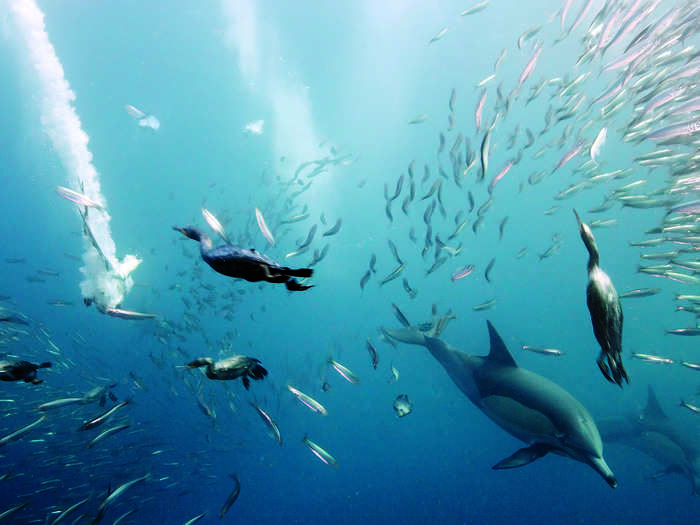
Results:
[59, 446]
[39, 275]
[88, 461]
[652, 96]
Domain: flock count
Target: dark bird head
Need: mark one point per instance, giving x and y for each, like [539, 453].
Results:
[190, 232]
[587, 237]
[201, 361]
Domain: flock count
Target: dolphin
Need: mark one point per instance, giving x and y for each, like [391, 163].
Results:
[652, 433]
[524, 404]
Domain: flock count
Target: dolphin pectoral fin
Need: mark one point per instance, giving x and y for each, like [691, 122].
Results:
[524, 456]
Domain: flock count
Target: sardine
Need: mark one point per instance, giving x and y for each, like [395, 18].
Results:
[462, 272]
[485, 305]
[640, 292]
[365, 279]
[215, 225]
[308, 401]
[106, 433]
[407, 287]
[335, 229]
[232, 497]
[690, 407]
[489, 267]
[78, 198]
[684, 331]
[309, 238]
[129, 314]
[394, 251]
[269, 423]
[320, 453]
[648, 358]
[393, 275]
[97, 421]
[263, 227]
[373, 354]
[344, 371]
[479, 6]
[400, 316]
[437, 37]
[13, 436]
[542, 350]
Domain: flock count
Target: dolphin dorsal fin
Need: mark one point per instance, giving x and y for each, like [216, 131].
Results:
[498, 352]
[653, 409]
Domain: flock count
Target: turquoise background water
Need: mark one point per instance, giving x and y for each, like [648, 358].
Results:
[350, 76]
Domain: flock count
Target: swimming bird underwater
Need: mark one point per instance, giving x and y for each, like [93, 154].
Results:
[606, 311]
[21, 371]
[652, 433]
[524, 404]
[232, 368]
[234, 261]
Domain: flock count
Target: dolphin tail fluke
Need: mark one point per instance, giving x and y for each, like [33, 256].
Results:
[409, 335]
[524, 456]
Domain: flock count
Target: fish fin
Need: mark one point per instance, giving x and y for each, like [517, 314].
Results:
[246, 382]
[524, 456]
[498, 352]
[45, 365]
[653, 409]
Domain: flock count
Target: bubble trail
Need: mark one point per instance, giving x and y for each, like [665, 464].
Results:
[105, 279]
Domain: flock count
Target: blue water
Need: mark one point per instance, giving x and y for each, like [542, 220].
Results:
[351, 77]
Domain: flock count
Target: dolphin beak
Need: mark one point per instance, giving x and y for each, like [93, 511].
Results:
[601, 467]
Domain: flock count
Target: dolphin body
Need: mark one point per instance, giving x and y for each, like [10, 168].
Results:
[652, 433]
[524, 404]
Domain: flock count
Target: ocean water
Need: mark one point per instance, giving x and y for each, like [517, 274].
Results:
[337, 84]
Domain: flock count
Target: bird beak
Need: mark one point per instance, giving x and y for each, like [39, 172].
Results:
[578, 219]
